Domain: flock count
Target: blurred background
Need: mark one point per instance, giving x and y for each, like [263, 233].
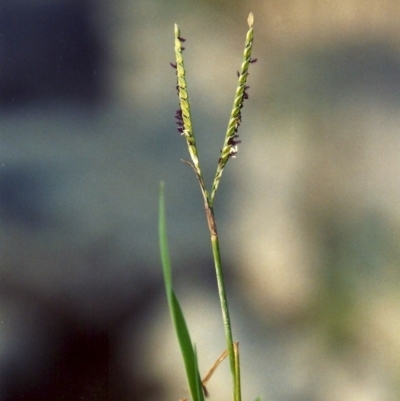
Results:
[308, 213]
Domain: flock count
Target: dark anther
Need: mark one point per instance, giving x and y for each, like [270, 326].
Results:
[173, 65]
[233, 140]
[238, 73]
[179, 121]
[182, 48]
[253, 60]
[181, 39]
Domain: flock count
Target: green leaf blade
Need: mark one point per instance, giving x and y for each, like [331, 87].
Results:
[188, 351]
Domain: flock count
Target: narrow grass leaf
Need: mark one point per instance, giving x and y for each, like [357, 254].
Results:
[182, 332]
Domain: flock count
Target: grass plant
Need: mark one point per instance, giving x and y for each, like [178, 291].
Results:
[229, 150]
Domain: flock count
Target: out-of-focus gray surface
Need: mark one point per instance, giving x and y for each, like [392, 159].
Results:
[308, 212]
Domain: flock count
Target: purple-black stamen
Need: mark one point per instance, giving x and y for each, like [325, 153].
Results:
[253, 60]
[181, 39]
[173, 65]
[179, 121]
[233, 141]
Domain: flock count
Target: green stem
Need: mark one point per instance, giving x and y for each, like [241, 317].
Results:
[238, 389]
[233, 354]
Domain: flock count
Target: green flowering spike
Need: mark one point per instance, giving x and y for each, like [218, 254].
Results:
[183, 115]
[231, 142]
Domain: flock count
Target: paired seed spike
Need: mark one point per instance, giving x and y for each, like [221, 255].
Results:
[183, 115]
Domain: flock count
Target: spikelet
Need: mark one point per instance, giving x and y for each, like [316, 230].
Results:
[232, 141]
